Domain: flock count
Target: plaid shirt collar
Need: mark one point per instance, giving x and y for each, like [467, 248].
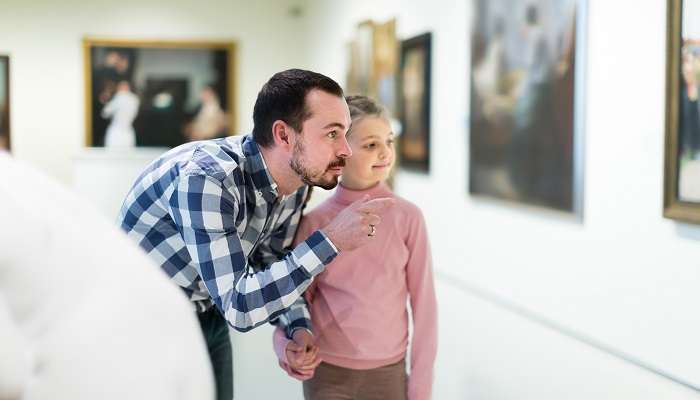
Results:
[260, 174]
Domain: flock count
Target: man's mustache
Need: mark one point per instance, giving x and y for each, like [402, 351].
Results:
[337, 163]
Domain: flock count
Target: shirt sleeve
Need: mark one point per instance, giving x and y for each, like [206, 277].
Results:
[205, 215]
[298, 316]
[421, 289]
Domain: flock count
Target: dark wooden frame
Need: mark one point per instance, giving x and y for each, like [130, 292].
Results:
[6, 123]
[423, 41]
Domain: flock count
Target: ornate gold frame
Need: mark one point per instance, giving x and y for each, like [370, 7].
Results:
[89, 42]
[673, 207]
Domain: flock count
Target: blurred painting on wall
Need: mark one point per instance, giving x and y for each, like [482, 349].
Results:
[386, 65]
[361, 59]
[158, 93]
[414, 103]
[4, 103]
[682, 169]
[523, 128]
[373, 63]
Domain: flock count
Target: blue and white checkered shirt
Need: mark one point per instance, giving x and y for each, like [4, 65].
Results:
[210, 215]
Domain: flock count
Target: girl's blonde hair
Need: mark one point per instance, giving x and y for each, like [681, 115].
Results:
[363, 106]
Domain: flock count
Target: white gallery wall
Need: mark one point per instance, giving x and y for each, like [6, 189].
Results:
[623, 278]
[524, 294]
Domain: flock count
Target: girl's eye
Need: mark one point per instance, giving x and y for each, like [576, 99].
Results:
[390, 142]
[370, 145]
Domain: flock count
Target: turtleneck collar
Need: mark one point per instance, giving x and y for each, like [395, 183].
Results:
[347, 196]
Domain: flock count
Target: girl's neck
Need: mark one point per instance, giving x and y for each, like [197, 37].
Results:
[350, 185]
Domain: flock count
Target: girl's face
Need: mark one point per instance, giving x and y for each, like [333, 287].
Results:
[372, 144]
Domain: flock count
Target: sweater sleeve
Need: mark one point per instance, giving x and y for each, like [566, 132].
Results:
[424, 307]
[279, 344]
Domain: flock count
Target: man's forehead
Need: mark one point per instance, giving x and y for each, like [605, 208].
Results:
[328, 110]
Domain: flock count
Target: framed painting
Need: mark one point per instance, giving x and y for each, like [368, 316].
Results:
[373, 63]
[414, 103]
[386, 64]
[360, 66]
[682, 159]
[526, 100]
[4, 102]
[157, 93]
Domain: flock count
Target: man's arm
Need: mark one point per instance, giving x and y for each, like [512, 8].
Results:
[205, 214]
[295, 317]
[291, 232]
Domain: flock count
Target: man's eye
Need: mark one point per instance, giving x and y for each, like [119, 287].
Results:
[333, 134]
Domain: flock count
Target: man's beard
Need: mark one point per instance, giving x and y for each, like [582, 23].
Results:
[309, 176]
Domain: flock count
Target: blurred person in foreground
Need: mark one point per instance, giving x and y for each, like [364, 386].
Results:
[84, 314]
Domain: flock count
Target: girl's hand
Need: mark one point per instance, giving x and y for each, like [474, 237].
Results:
[302, 355]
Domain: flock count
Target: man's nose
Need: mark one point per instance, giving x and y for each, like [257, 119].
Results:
[345, 151]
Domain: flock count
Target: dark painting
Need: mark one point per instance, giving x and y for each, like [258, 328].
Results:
[4, 103]
[522, 145]
[158, 94]
[414, 103]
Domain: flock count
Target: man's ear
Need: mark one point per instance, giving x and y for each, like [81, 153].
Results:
[282, 134]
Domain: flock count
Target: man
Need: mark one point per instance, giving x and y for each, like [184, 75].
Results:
[219, 216]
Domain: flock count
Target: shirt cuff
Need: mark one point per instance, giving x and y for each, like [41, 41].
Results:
[329, 241]
[291, 332]
[300, 323]
[315, 253]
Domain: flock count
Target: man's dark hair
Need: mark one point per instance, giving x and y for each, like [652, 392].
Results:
[283, 97]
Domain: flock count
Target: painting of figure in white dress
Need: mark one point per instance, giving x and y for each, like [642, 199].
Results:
[158, 93]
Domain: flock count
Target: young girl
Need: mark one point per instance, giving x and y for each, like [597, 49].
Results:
[358, 305]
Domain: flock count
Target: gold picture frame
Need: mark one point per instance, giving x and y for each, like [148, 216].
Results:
[373, 63]
[682, 142]
[169, 82]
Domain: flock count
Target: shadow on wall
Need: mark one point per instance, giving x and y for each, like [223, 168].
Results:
[688, 231]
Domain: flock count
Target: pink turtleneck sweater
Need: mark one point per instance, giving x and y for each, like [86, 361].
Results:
[359, 312]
